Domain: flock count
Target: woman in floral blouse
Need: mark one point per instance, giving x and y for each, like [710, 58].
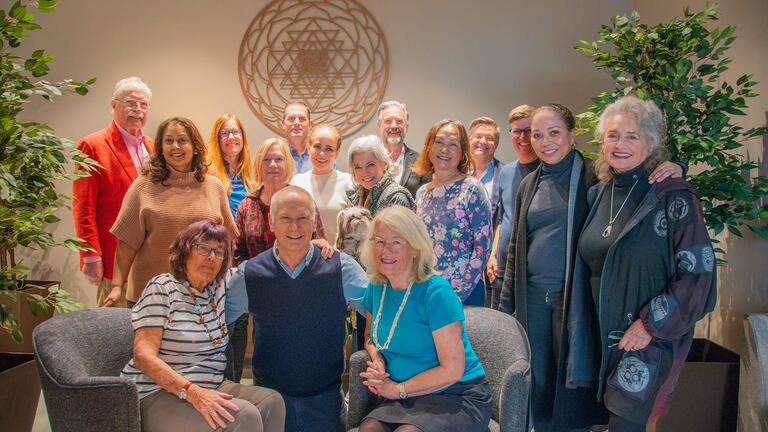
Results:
[456, 210]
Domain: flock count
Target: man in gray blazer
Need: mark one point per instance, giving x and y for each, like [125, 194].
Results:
[393, 125]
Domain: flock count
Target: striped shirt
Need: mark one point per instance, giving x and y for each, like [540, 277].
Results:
[185, 346]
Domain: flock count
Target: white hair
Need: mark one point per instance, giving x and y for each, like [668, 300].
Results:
[391, 104]
[131, 83]
[372, 144]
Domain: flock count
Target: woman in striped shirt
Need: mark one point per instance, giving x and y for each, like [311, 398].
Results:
[179, 340]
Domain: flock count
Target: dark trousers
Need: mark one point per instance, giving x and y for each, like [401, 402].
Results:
[493, 293]
[238, 342]
[620, 424]
[324, 412]
[545, 317]
[477, 296]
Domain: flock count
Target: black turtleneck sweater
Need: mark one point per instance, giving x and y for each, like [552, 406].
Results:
[593, 247]
[546, 219]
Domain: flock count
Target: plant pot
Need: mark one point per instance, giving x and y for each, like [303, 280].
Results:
[707, 393]
[19, 392]
[27, 321]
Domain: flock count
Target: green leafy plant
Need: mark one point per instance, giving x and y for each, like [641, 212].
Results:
[679, 65]
[32, 159]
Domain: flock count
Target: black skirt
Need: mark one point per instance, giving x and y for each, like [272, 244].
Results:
[460, 407]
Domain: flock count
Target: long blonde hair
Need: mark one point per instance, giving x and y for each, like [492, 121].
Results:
[409, 226]
[216, 160]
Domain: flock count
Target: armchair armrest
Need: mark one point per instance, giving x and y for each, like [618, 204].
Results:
[361, 401]
[515, 391]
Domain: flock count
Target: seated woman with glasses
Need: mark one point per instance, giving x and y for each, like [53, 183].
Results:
[179, 340]
[423, 366]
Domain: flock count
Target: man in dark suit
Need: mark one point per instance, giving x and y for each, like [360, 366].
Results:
[393, 125]
[121, 149]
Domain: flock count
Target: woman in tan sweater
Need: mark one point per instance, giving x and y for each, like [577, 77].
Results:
[172, 192]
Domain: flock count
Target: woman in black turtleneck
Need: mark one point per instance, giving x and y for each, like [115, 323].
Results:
[551, 208]
[648, 271]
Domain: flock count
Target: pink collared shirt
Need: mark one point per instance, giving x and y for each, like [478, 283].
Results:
[136, 149]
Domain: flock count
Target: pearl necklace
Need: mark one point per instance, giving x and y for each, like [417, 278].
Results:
[394, 322]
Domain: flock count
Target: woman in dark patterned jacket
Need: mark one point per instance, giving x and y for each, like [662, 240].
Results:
[551, 208]
[375, 188]
[645, 272]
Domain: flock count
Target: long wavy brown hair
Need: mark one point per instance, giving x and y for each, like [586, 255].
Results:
[157, 169]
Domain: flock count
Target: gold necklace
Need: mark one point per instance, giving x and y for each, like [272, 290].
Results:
[394, 322]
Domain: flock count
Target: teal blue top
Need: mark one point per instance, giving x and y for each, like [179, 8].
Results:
[431, 305]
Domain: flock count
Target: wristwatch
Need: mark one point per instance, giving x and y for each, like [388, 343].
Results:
[401, 387]
[183, 391]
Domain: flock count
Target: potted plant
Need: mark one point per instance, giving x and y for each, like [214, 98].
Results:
[679, 65]
[32, 160]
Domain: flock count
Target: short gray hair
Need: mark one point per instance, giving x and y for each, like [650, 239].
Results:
[131, 83]
[369, 143]
[392, 104]
[650, 120]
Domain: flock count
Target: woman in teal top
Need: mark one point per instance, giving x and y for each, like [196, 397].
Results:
[423, 365]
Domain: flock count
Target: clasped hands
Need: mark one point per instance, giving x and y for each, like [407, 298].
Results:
[378, 382]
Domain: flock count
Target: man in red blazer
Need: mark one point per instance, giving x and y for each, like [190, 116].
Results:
[121, 149]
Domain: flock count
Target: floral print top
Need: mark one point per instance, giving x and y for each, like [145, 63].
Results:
[458, 219]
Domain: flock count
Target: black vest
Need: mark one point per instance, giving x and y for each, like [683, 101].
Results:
[298, 324]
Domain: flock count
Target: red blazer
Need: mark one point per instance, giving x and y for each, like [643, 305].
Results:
[96, 200]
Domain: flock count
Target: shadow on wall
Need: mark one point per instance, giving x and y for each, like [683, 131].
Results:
[743, 282]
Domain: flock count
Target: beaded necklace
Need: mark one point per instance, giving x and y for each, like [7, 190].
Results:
[394, 322]
[216, 342]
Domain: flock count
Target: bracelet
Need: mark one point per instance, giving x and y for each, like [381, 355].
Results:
[403, 393]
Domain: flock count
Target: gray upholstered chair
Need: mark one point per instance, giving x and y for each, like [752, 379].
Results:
[753, 376]
[79, 359]
[502, 346]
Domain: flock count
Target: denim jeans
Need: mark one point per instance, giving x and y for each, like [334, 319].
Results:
[235, 352]
[324, 412]
[493, 293]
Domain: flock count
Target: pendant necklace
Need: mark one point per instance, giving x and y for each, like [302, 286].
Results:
[215, 341]
[394, 322]
[611, 217]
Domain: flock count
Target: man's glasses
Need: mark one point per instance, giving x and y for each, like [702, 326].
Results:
[133, 104]
[206, 251]
[519, 132]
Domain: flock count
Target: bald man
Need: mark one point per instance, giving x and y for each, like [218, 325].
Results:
[298, 302]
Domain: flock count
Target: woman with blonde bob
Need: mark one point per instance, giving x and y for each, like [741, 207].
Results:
[230, 160]
[423, 365]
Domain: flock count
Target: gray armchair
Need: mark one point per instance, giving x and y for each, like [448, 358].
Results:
[502, 346]
[79, 359]
[753, 377]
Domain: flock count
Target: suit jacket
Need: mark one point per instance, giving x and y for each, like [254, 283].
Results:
[410, 180]
[96, 200]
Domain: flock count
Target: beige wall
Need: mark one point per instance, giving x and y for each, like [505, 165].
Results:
[452, 58]
[743, 282]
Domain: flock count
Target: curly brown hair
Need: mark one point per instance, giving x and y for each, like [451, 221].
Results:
[157, 169]
[200, 231]
[423, 166]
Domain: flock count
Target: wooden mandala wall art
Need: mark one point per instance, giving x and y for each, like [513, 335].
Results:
[330, 54]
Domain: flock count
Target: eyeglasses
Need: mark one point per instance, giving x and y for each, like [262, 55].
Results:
[133, 104]
[615, 335]
[519, 132]
[205, 251]
[395, 245]
[225, 133]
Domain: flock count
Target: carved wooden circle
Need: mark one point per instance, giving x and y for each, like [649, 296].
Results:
[330, 54]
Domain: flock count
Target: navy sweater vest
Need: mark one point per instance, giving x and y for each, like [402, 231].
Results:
[298, 324]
